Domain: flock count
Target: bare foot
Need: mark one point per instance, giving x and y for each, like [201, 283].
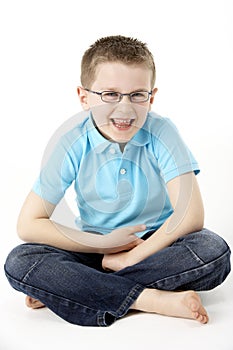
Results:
[177, 304]
[33, 303]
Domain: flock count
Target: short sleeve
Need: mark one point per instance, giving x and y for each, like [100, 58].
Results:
[173, 156]
[57, 174]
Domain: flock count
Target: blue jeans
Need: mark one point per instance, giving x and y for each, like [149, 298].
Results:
[76, 288]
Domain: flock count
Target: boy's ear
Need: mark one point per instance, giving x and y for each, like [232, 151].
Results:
[82, 94]
[153, 95]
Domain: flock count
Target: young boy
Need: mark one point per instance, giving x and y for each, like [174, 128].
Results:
[142, 244]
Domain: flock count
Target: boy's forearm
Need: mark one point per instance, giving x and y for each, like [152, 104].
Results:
[165, 236]
[45, 231]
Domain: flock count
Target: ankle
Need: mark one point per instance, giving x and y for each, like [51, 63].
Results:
[146, 299]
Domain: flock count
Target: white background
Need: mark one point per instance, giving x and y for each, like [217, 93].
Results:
[41, 46]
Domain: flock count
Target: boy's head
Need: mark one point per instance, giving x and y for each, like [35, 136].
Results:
[118, 77]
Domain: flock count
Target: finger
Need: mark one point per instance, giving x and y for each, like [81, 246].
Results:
[136, 228]
[139, 241]
[136, 241]
[122, 238]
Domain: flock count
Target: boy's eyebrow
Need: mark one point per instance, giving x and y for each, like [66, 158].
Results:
[117, 89]
[109, 89]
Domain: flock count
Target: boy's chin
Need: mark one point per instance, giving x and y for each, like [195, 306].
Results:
[120, 136]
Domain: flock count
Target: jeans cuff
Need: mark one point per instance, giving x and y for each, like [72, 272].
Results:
[108, 318]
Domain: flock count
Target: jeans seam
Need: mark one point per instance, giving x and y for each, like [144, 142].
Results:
[26, 276]
[205, 266]
[195, 256]
[32, 268]
[129, 300]
[102, 316]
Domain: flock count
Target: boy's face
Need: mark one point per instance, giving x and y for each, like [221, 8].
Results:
[118, 121]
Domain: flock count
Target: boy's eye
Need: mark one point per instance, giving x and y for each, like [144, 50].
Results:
[138, 95]
[110, 96]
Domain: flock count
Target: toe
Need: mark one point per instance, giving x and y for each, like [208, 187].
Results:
[195, 315]
[33, 303]
[200, 318]
[28, 301]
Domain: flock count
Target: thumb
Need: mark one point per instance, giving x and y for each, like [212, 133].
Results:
[136, 228]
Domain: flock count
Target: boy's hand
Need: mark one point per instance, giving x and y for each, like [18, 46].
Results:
[123, 239]
[115, 262]
[120, 259]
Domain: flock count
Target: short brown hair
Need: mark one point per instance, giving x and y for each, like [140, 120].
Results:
[115, 49]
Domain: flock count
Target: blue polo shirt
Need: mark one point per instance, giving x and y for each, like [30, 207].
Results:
[116, 189]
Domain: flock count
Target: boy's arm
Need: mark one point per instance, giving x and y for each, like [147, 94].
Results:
[188, 216]
[34, 226]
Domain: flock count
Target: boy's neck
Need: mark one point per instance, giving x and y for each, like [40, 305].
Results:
[121, 144]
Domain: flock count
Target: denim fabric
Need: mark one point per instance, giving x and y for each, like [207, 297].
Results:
[76, 288]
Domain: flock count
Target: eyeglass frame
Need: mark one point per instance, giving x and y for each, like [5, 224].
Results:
[120, 95]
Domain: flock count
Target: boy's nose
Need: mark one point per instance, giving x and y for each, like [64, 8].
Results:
[125, 99]
[125, 107]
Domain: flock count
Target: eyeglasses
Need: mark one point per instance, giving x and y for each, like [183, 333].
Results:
[113, 97]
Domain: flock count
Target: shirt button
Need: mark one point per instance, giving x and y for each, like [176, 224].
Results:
[112, 151]
[123, 171]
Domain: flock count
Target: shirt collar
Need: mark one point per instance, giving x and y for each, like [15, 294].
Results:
[99, 143]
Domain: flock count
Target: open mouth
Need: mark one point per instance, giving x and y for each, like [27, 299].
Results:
[122, 124]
